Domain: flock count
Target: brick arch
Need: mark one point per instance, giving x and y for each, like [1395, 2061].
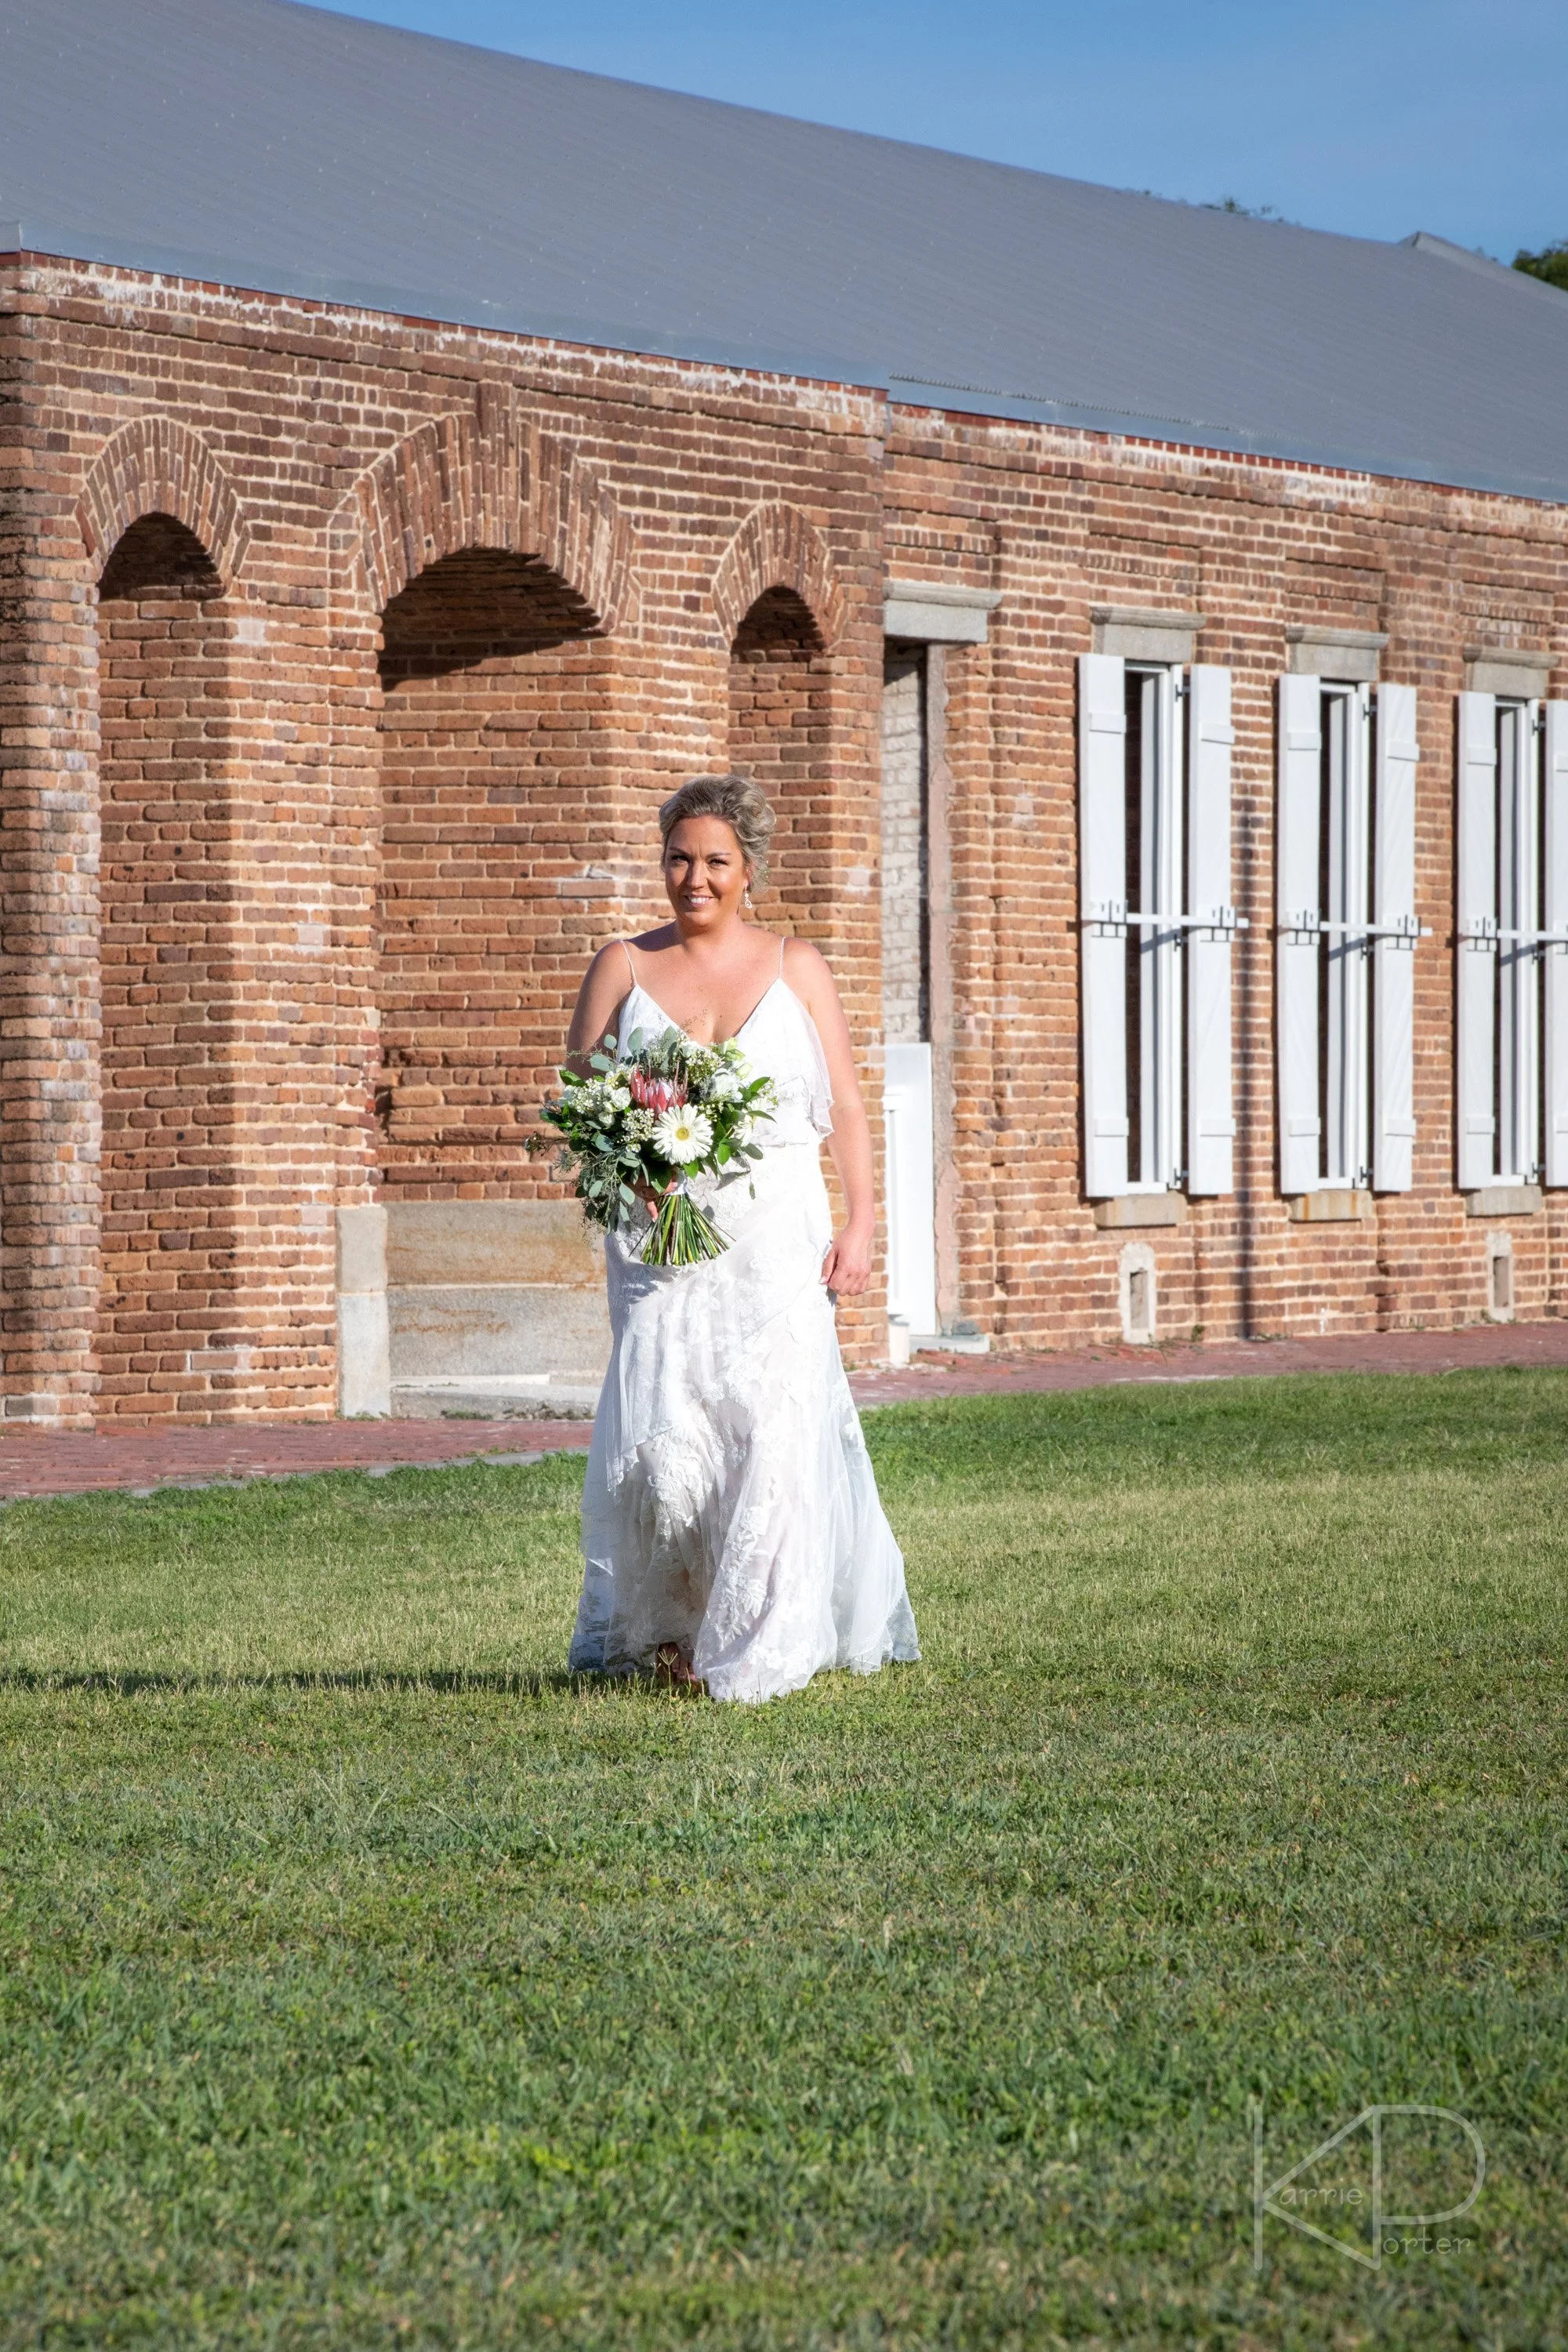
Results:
[155, 465]
[776, 547]
[487, 481]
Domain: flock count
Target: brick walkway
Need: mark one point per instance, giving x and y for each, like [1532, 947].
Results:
[1389, 1352]
[140, 1461]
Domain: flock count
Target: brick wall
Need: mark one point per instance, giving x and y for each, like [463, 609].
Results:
[376, 769]
[494, 772]
[167, 1174]
[1061, 523]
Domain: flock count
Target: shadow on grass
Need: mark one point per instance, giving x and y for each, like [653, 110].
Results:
[133, 1683]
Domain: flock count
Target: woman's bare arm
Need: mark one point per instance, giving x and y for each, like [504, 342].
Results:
[846, 1269]
[606, 985]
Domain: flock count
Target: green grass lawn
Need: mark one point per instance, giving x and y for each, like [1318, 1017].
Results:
[365, 1981]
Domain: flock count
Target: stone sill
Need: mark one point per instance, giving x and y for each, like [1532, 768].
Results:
[1337, 1206]
[1129, 1209]
[1505, 1201]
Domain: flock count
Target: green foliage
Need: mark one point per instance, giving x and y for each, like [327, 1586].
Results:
[365, 1979]
[1551, 263]
[607, 1130]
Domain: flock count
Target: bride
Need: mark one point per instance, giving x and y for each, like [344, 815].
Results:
[732, 1532]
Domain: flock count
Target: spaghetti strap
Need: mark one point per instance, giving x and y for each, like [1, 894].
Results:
[626, 948]
[782, 944]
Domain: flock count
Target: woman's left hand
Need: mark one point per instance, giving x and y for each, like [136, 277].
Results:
[846, 1269]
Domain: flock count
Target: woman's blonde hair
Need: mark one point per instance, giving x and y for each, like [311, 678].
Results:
[743, 805]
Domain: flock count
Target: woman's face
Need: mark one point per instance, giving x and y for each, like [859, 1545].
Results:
[704, 872]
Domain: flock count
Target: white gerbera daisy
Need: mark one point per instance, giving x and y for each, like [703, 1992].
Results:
[683, 1134]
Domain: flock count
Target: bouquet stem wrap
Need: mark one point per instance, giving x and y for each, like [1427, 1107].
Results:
[680, 1234]
[641, 1125]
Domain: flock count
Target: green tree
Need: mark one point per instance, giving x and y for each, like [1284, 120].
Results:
[1551, 263]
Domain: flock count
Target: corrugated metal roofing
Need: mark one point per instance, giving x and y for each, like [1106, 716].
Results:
[277, 147]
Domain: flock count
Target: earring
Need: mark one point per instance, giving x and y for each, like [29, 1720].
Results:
[748, 896]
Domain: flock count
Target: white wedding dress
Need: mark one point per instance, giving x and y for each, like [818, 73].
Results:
[730, 1506]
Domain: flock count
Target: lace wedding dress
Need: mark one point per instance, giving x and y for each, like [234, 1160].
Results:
[730, 1505]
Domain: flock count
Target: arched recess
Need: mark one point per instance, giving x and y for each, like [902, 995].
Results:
[780, 609]
[777, 547]
[156, 466]
[497, 564]
[485, 480]
[165, 531]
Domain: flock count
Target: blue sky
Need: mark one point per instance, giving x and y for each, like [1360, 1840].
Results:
[1374, 117]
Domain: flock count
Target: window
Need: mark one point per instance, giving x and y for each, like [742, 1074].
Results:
[1519, 966]
[1347, 931]
[1152, 830]
[1512, 980]
[1344, 894]
[1154, 823]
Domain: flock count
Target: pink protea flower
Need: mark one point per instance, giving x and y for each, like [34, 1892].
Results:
[658, 1095]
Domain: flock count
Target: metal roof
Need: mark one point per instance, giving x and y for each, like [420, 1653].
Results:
[271, 146]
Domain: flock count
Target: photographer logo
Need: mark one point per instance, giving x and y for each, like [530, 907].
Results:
[1344, 2181]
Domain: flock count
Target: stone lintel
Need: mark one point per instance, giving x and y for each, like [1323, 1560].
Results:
[1144, 633]
[938, 612]
[1349, 655]
[1505, 669]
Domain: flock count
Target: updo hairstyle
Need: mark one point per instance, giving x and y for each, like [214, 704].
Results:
[744, 807]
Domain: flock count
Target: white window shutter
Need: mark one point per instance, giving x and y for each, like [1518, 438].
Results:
[1295, 883]
[1102, 856]
[1394, 960]
[1211, 1122]
[1554, 783]
[1476, 982]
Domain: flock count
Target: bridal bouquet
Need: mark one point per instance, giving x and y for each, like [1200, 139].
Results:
[669, 1111]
